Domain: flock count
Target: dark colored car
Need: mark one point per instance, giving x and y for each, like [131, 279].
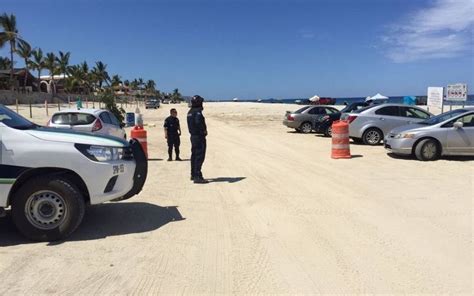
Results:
[324, 124]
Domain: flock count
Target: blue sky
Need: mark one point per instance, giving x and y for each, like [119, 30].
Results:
[262, 49]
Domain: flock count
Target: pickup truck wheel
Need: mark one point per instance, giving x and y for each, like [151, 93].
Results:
[47, 209]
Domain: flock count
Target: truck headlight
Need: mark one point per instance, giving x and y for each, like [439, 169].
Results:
[404, 136]
[100, 153]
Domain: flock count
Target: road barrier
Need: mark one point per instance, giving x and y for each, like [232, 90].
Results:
[340, 140]
[140, 134]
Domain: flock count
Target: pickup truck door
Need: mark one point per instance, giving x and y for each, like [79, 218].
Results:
[6, 179]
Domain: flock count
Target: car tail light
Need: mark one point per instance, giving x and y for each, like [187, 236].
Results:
[97, 125]
[290, 117]
[351, 118]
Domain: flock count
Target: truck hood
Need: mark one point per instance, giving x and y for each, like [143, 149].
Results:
[70, 136]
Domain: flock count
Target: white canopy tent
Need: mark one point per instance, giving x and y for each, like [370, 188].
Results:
[314, 99]
[378, 96]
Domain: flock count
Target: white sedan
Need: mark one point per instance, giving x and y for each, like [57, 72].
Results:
[98, 121]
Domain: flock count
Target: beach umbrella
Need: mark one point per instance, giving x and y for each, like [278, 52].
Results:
[314, 99]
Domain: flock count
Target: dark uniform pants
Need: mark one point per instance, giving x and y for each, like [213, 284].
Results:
[198, 154]
[173, 141]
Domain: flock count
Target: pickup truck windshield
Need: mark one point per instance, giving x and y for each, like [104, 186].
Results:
[13, 120]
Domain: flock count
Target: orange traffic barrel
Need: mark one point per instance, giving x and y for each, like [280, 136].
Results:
[139, 133]
[340, 140]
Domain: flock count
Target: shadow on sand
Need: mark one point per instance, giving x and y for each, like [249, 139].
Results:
[104, 220]
[448, 158]
[226, 179]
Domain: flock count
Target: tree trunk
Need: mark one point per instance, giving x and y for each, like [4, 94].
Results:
[12, 44]
[26, 74]
[39, 80]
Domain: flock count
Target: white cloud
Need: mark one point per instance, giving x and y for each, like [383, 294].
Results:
[443, 30]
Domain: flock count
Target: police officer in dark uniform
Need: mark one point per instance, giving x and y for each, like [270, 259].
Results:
[198, 130]
[172, 134]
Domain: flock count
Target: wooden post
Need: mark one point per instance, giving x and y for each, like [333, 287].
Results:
[31, 111]
[69, 102]
[16, 101]
[87, 103]
[46, 107]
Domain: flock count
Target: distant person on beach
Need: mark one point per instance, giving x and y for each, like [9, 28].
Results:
[172, 134]
[198, 130]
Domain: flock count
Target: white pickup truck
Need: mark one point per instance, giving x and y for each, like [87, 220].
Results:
[49, 175]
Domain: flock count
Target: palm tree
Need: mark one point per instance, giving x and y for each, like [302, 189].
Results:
[140, 83]
[176, 96]
[38, 64]
[10, 35]
[150, 85]
[52, 66]
[87, 76]
[5, 63]
[24, 51]
[101, 74]
[115, 81]
[63, 62]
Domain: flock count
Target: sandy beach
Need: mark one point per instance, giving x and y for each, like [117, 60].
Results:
[279, 216]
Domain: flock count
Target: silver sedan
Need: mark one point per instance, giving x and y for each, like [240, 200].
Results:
[451, 133]
[371, 124]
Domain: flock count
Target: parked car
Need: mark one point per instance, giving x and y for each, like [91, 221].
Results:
[97, 121]
[324, 124]
[303, 120]
[48, 175]
[370, 124]
[152, 104]
[450, 133]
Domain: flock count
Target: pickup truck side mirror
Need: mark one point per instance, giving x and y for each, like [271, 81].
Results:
[458, 125]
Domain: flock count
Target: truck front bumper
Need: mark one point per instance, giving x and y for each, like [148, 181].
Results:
[141, 170]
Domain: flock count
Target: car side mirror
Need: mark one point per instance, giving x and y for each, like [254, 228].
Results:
[458, 125]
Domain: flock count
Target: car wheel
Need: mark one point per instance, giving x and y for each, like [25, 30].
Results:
[306, 127]
[372, 136]
[47, 208]
[427, 150]
[328, 131]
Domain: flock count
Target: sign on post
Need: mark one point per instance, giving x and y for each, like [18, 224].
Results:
[435, 97]
[456, 92]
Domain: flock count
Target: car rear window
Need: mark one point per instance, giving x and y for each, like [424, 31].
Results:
[73, 118]
[301, 110]
[363, 109]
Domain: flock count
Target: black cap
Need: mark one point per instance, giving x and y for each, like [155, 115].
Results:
[196, 101]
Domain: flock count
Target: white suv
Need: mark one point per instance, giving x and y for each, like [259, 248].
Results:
[48, 175]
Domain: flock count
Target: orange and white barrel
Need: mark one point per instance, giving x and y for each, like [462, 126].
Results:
[140, 134]
[340, 140]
